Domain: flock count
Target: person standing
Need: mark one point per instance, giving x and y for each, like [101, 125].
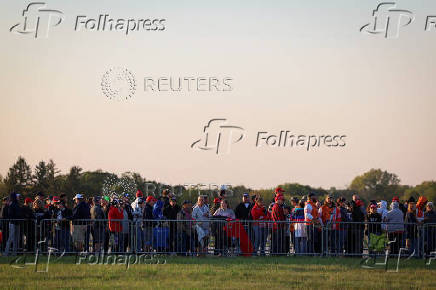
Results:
[395, 227]
[148, 222]
[429, 228]
[4, 223]
[411, 223]
[373, 227]
[170, 212]
[138, 212]
[15, 215]
[243, 213]
[105, 206]
[278, 233]
[29, 225]
[115, 217]
[259, 215]
[325, 214]
[201, 214]
[80, 224]
[300, 245]
[98, 225]
[186, 235]
[222, 241]
[312, 222]
[357, 227]
[62, 215]
[127, 218]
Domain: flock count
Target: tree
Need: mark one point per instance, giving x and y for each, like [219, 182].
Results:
[427, 189]
[92, 182]
[40, 180]
[3, 188]
[19, 177]
[54, 186]
[376, 184]
[72, 182]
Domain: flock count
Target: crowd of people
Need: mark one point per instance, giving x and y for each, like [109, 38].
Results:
[305, 226]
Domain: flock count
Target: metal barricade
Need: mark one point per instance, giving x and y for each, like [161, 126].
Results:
[217, 236]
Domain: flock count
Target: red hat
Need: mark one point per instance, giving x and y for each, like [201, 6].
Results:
[279, 190]
[28, 200]
[395, 198]
[359, 202]
[279, 196]
[56, 199]
[139, 193]
[150, 198]
[216, 200]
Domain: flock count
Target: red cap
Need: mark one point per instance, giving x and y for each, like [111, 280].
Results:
[139, 193]
[56, 199]
[359, 202]
[279, 196]
[150, 198]
[216, 200]
[28, 200]
[395, 198]
[279, 190]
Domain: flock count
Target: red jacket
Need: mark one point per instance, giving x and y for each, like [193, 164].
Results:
[259, 213]
[115, 214]
[278, 215]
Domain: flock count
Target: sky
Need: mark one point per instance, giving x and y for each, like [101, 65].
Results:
[302, 66]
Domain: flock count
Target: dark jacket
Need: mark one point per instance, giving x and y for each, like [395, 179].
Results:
[41, 214]
[148, 215]
[411, 225]
[430, 217]
[4, 212]
[129, 211]
[374, 223]
[170, 212]
[14, 210]
[65, 216]
[242, 212]
[81, 211]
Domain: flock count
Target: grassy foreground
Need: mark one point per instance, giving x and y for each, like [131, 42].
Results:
[210, 272]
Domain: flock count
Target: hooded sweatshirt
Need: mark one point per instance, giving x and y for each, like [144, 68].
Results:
[259, 213]
[157, 210]
[395, 219]
[138, 211]
[383, 211]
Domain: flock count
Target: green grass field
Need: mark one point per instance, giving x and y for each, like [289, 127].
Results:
[229, 272]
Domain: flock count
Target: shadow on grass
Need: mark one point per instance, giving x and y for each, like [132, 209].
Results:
[347, 262]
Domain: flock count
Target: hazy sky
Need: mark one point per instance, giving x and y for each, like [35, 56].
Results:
[301, 66]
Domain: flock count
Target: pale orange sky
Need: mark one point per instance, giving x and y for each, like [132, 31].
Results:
[301, 66]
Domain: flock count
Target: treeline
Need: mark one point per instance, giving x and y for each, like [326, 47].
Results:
[45, 177]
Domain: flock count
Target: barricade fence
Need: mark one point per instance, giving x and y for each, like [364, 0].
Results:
[216, 236]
